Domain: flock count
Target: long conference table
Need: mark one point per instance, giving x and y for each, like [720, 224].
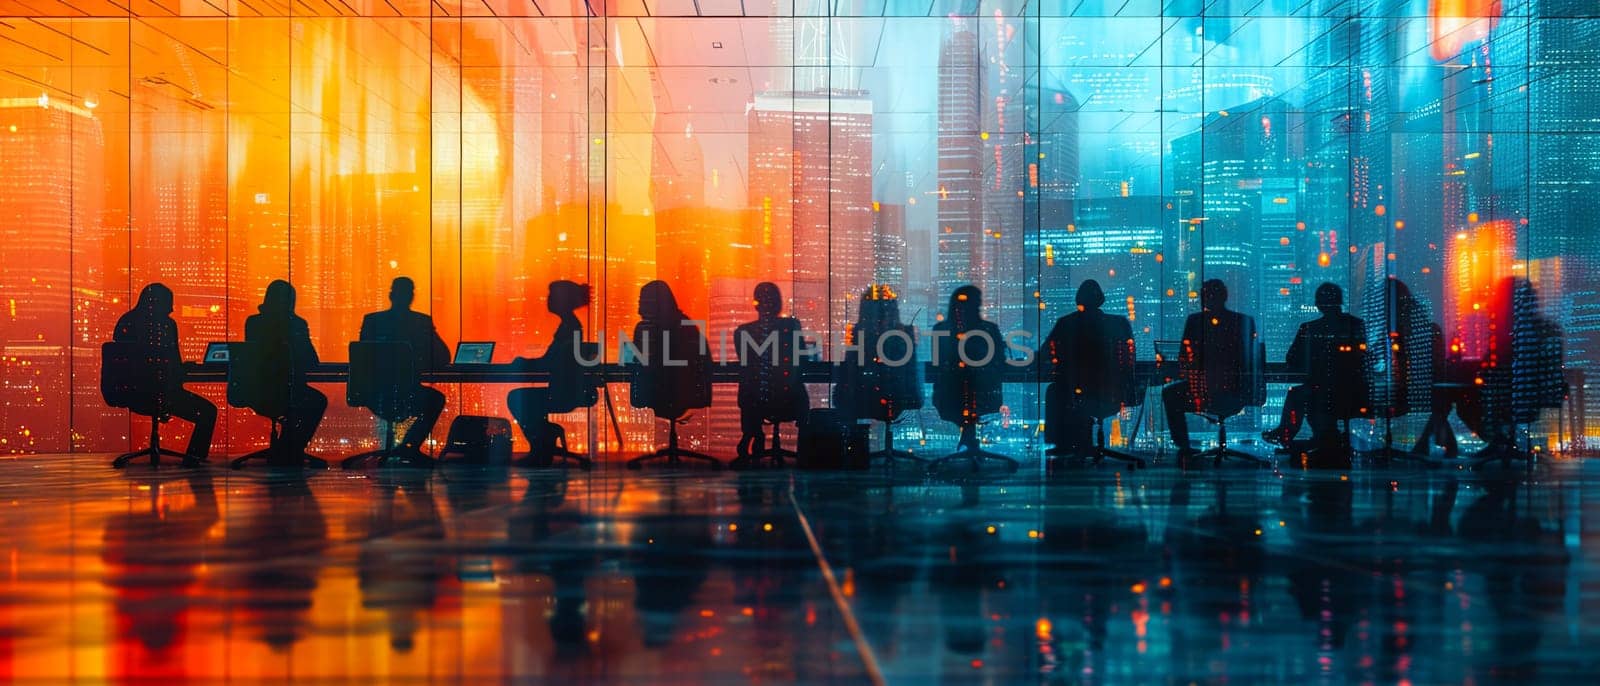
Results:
[1147, 372]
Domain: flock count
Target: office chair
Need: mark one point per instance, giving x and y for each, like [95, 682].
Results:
[250, 388]
[384, 379]
[134, 377]
[878, 392]
[964, 395]
[571, 388]
[1101, 451]
[671, 392]
[1217, 407]
[1516, 396]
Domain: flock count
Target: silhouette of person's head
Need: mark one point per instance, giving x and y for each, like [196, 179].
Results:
[402, 292]
[1213, 295]
[768, 299]
[657, 304]
[567, 296]
[965, 306]
[279, 298]
[1329, 298]
[880, 309]
[156, 299]
[1090, 297]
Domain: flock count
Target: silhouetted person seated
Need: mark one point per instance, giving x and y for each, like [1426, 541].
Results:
[402, 325]
[880, 377]
[150, 324]
[1090, 355]
[286, 355]
[1520, 374]
[1450, 387]
[770, 389]
[569, 388]
[1405, 354]
[966, 382]
[1219, 366]
[673, 373]
[1330, 351]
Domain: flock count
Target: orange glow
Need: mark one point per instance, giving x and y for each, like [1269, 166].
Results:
[1475, 263]
[1454, 23]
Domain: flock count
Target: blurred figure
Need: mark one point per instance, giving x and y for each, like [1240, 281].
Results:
[966, 383]
[150, 323]
[673, 372]
[1329, 350]
[1091, 359]
[1216, 362]
[287, 355]
[1520, 374]
[879, 377]
[400, 324]
[568, 389]
[770, 388]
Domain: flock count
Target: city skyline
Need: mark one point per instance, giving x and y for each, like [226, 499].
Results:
[1018, 153]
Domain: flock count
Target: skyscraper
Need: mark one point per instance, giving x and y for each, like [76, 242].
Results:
[960, 190]
[811, 180]
[52, 169]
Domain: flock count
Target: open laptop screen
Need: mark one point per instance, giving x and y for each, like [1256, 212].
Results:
[474, 353]
[216, 353]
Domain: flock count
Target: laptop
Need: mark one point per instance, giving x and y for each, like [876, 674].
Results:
[216, 353]
[476, 352]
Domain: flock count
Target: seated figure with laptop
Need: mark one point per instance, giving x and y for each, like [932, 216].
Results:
[570, 388]
[400, 324]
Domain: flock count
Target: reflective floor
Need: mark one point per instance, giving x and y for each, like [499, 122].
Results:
[1088, 575]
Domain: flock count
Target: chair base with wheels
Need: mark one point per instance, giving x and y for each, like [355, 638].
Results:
[273, 455]
[673, 455]
[889, 452]
[1389, 454]
[155, 451]
[390, 456]
[556, 453]
[1222, 452]
[770, 454]
[1101, 452]
[975, 455]
[1504, 450]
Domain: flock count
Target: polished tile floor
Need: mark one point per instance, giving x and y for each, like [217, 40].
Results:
[1087, 575]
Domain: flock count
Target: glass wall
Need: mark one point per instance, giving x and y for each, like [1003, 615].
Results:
[487, 148]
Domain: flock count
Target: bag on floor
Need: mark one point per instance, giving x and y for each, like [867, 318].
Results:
[478, 440]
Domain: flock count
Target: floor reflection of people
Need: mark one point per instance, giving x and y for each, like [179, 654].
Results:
[537, 519]
[403, 557]
[153, 554]
[1322, 566]
[961, 579]
[1217, 559]
[773, 574]
[1090, 560]
[279, 550]
[1524, 568]
[669, 564]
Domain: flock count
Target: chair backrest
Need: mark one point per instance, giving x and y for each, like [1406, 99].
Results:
[134, 376]
[1228, 384]
[573, 385]
[383, 378]
[251, 384]
[671, 390]
[869, 387]
[1094, 362]
[962, 392]
[769, 376]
